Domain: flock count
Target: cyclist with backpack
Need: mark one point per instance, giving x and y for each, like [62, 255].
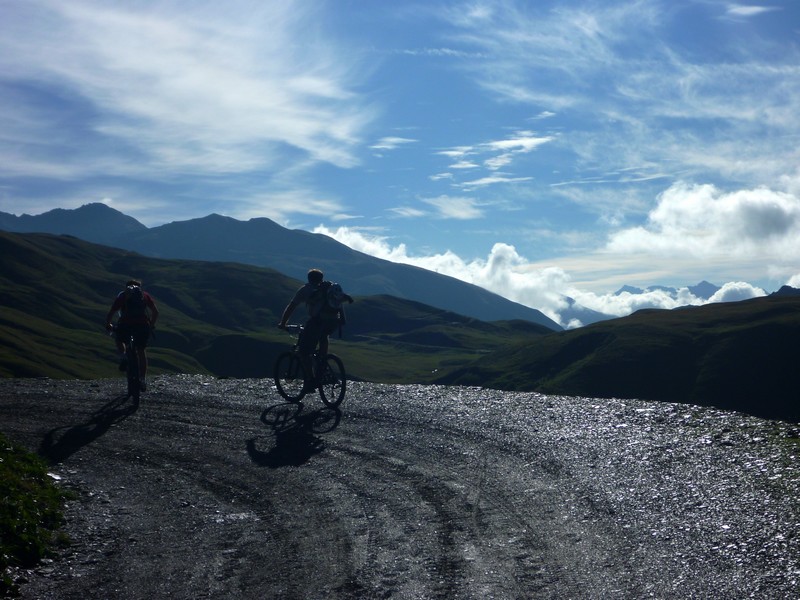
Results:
[137, 316]
[323, 299]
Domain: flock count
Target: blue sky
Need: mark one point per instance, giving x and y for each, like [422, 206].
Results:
[534, 148]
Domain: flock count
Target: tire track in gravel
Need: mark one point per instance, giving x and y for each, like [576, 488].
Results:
[217, 489]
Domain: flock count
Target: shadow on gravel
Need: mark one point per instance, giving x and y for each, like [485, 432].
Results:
[296, 434]
[62, 442]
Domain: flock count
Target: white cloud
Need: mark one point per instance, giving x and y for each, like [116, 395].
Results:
[743, 10]
[496, 155]
[408, 212]
[492, 180]
[523, 142]
[455, 207]
[456, 153]
[283, 206]
[732, 115]
[702, 221]
[464, 164]
[391, 143]
[543, 287]
[202, 90]
[735, 291]
[440, 176]
[498, 162]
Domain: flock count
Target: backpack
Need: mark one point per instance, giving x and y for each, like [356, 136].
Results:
[135, 305]
[326, 301]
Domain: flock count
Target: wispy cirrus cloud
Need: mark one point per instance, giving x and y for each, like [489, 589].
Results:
[391, 143]
[748, 10]
[661, 104]
[201, 90]
[493, 155]
[455, 207]
[492, 180]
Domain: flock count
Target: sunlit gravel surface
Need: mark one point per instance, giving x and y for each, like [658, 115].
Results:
[216, 488]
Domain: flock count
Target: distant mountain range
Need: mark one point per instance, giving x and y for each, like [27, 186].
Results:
[264, 243]
[220, 318]
[703, 290]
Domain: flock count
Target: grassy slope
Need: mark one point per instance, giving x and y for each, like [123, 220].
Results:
[215, 317]
[30, 512]
[740, 356]
[220, 319]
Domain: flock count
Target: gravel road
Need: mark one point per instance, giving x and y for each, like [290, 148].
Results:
[217, 489]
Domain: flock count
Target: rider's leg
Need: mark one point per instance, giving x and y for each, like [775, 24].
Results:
[306, 345]
[323, 345]
[119, 337]
[142, 362]
[141, 337]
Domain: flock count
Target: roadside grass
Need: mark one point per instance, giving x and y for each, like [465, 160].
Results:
[30, 512]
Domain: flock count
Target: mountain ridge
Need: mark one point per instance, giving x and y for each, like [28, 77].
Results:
[216, 318]
[262, 242]
[220, 318]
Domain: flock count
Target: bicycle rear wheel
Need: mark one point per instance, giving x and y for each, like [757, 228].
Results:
[134, 387]
[290, 376]
[333, 382]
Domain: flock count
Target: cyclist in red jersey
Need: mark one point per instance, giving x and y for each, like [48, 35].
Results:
[137, 316]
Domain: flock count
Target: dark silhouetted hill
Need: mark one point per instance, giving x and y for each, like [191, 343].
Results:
[264, 243]
[217, 318]
[739, 356]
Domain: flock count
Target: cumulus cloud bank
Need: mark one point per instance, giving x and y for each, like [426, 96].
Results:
[696, 223]
[507, 273]
[702, 221]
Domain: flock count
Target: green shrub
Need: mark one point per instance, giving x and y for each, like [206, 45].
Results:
[30, 511]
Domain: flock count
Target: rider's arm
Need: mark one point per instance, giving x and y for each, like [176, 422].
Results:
[114, 308]
[287, 312]
[153, 310]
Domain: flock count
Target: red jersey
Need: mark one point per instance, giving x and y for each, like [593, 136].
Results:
[120, 306]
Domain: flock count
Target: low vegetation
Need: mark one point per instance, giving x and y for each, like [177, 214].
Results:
[30, 512]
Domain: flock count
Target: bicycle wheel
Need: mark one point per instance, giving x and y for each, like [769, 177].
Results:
[289, 376]
[134, 388]
[333, 383]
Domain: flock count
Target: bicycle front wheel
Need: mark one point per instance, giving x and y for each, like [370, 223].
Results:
[333, 383]
[289, 376]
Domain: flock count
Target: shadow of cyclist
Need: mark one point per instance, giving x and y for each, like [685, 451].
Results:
[296, 434]
[62, 442]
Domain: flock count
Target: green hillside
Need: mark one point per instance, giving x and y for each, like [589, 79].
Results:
[739, 356]
[216, 318]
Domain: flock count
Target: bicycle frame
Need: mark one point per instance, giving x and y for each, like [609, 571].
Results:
[132, 371]
[290, 374]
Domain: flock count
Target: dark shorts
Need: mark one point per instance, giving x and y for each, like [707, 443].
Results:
[140, 332]
[313, 331]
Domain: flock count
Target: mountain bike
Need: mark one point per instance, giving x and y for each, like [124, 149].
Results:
[328, 377]
[132, 361]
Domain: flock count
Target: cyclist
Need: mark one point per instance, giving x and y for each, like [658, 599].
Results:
[137, 316]
[322, 321]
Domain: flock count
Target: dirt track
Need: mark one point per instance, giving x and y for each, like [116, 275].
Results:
[214, 489]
